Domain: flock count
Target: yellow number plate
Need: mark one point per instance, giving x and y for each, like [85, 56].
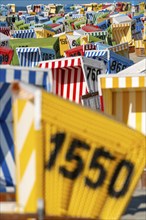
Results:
[92, 162]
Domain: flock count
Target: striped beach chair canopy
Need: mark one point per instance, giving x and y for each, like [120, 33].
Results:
[28, 56]
[30, 33]
[127, 97]
[8, 74]
[30, 75]
[68, 78]
[74, 76]
[121, 33]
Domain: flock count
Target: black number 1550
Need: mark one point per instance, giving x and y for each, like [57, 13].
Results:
[95, 164]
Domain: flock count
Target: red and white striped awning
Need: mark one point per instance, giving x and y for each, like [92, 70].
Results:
[68, 78]
[73, 76]
[61, 63]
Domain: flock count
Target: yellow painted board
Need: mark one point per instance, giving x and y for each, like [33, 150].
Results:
[80, 127]
[122, 32]
[79, 124]
[99, 160]
[64, 44]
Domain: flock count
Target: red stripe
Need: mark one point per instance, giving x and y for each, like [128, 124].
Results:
[81, 86]
[101, 103]
[53, 79]
[75, 72]
[62, 81]
[68, 83]
[53, 65]
[57, 81]
[79, 62]
[59, 63]
[66, 63]
[72, 62]
[46, 65]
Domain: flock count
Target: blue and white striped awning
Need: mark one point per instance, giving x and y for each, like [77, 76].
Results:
[30, 33]
[8, 74]
[97, 53]
[114, 62]
[36, 76]
[28, 56]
